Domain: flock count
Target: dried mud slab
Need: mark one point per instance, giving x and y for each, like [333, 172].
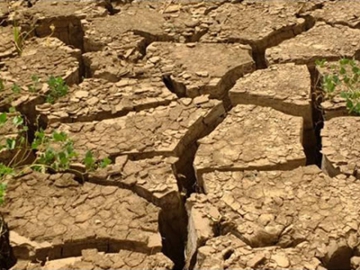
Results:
[341, 146]
[286, 88]
[98, 99]
[229, 252]
[320, 42]
[252, 137]
[197, 68]
[7, 47]
[339, 12]
[334, 105]
[134, 27]
[186, 20]
[92, 259]
[152, 179]
[258, 24]
[164, 130]
[107, 65]
[65, 16]
[54, 216]
[279, 208]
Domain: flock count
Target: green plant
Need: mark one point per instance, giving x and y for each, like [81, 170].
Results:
[33, 88]
[16, 89]
[57, 89]
[52, 152]
[19, 37]
[344, 80]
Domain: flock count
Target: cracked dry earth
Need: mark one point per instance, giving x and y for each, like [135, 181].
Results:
[222, 156]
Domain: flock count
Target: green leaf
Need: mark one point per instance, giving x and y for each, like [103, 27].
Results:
[18, 120]
[5, 170]
[344, 94]
[342, 70]
[35, 78]
[89, 161]
[58, 88]
[10, 143]
[344, 61]
[3, 118]
[2, 192]
[320, 63]
[59, 136]
[105, 162]
[355, 69]
[16, 89]
[31, 89]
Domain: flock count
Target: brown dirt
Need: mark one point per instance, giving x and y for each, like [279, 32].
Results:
[252, 137]
[320, 42]
[337, 12]
[212, 156]
[286, 88]
[279, 208]
[227, 251]
[341, 146]
[97, 99]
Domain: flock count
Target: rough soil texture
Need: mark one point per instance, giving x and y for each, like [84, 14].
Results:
[208, 111]
[205, 71]
[341, 146]
[255, 23]
[6, 47]
[97, 99]
[164, 130]
[286, 88]
[66, 16]
[60, 217]
[229, 252]
[338, 12]
[252, 137]
[43, 58]
[121, 37]
[320, 42]
[92, 259]
[282, 208]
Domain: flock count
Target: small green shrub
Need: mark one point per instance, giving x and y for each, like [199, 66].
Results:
[57, 87]
[53, 152]
[346, 74]
[19, 37]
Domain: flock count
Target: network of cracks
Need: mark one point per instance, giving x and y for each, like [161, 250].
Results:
[225, 155]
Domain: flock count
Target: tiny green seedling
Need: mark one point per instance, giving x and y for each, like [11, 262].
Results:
[19, 37]
[33, 88]
[15, 89]
[57, 89]
[346, 74]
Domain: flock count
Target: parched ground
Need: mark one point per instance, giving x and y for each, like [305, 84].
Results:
[226, 153]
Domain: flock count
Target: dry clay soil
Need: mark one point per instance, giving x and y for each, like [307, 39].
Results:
[223, 156]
